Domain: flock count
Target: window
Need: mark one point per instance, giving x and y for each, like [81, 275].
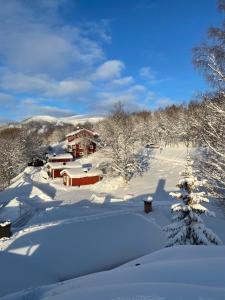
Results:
[81, 153]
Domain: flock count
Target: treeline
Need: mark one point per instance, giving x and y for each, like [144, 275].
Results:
[21, 143]
[17, 148]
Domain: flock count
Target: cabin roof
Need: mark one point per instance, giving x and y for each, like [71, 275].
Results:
[78, 140]
[79, 173]
[61, 165]
[80, 130]
[61, 156]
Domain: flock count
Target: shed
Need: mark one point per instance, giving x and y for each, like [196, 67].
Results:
[54, 168]
[65, 157]
[78, 177]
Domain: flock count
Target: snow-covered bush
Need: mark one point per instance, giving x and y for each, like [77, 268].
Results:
[187, 226]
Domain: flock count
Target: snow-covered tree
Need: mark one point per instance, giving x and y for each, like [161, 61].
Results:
[187, 226]
[209, 57]
[11, 155]
[211, 127]
[120, 142]
[17, 148]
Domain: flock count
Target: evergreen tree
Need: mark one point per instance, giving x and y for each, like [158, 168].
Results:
[187, 226]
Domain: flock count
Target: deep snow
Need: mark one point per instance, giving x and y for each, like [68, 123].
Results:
[57, 227]
[55, 252]
[184, 273]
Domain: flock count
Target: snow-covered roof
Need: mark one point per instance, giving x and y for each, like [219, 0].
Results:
[78, 140]
[79, 173]
[79, 130]
[61, 165]
[61, 156]
[4, 223]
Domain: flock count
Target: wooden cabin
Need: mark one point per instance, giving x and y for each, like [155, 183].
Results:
[77, 177]
[54, 168]
[63, 158]
[82, 142]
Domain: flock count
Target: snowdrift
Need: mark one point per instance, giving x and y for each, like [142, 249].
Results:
[185, 272]
[59, 251]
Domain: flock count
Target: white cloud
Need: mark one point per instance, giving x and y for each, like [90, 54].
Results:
[6, 99]
[138, 88]
[148, 73]
[50, 111]
[123, 81]
[33, 39]
[44, 58]
[69, 87]
[39, 107]
[99, 30]
[151, 76]
[19, 82]
[42, 84]
[106, 100]
[109, 70]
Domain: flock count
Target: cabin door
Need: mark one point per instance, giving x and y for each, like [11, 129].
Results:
[65, 179]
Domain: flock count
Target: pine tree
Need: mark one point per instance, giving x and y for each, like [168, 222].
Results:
[187, 226]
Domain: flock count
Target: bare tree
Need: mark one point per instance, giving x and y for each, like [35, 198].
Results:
[209, 57]
[120, 142]
[11, 155]
[211, 161]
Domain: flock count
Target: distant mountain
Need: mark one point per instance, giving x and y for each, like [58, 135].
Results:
[73, 120]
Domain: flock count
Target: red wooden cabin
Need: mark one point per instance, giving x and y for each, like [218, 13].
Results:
[54, 169]
[65, 157]
[77, 177]
[82, 142]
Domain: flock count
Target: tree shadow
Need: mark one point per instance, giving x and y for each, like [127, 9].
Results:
[160, 193]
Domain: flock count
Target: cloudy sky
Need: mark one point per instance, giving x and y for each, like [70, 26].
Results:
[65, 57]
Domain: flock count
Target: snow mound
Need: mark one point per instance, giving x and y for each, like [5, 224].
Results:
[63, 250]
[185, 272]
[108, 184]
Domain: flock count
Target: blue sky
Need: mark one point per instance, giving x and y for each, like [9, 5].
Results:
[66, 57]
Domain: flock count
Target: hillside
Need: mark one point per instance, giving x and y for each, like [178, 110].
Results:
[73, 120]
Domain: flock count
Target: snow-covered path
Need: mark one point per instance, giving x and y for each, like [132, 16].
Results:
[161, 177]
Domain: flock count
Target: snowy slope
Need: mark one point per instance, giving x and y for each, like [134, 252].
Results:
[66, 249]
[185, 272]
[68, 202]
[68, 120]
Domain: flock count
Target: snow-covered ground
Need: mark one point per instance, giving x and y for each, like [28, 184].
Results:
[184, 273]
[64, 232]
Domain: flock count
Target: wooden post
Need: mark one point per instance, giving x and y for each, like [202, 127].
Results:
[148, 205]
[5, 229]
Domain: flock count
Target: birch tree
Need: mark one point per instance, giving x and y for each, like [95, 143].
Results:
[120, 143]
